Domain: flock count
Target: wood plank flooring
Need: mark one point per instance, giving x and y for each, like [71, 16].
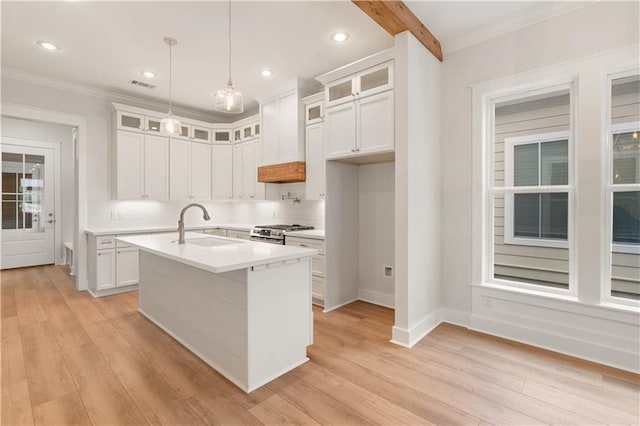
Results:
[68, 358]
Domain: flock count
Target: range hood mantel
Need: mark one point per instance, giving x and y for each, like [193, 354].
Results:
[283, 173]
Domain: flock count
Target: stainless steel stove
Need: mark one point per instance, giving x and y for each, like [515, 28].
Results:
[275, 234]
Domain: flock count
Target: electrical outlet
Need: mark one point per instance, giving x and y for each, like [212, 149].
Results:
[120, 215]
[114, 216]
[388, 271]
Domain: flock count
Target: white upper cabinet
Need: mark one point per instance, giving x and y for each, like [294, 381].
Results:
[152, 125]
[245, 179]
[246, 129]
[130, 121]
[222, 172]
[314, 113]
[156, 167]
[222, 136]
[360, 113]
[190, 171]
[365, 83]
[282, 129]
[315, 167]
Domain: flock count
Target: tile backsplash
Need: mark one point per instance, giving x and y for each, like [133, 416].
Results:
[119, 214]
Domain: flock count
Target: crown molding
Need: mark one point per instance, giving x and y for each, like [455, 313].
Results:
[511, 24]
[109, 95]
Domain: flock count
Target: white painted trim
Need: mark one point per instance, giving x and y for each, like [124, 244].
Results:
[376, 297]
[357, 66]
[80, 122]
[597, 333]
[333, 308]
[456, 317]
[58, 243]
[408, 338]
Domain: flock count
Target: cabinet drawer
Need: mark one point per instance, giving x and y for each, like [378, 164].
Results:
[317, 288]
[216, 231]
[105, 242]
[243, 235]
[306, 243]
[317, 266]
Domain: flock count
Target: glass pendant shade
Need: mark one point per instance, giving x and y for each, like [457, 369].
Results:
[170, 125]
[229, 100]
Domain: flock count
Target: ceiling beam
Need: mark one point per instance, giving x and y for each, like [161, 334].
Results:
[395, 17]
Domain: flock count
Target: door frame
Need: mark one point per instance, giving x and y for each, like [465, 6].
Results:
[79, 268]
[57, 206]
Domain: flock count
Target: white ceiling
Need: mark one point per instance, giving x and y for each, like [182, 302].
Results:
[106, 44]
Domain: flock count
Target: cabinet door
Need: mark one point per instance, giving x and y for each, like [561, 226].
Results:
[156, 167]
[289, 129]
[179, 165]
[130, 121]
[200, 134]
[200, 171]
[242, 235]
[247, 132]
[314, 185]
[185, 132]
[260, 187]
[222, 172]
[129, 165]
[127, 267]
[249, 177]
[375, 80]
[152, 125]
[237, 135]
[222, 136]
[105, 269]
[376, 124]
[313, 113]
[340, 91]
[237, 171]
[270, 129]
[340, 127]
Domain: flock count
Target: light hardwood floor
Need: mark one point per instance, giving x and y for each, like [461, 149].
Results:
[68, 358]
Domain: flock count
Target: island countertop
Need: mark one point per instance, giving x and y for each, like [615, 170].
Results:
[216, 254]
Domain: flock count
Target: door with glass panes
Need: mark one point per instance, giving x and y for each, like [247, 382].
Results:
[28, 230]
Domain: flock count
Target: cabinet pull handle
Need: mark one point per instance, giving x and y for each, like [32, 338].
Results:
[303, 245]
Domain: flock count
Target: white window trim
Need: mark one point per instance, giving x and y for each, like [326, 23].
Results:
[609, 247]
[509, 144]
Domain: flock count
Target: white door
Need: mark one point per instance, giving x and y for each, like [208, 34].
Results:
[179, 170]
[314, 186]
[28, 206]
[340, 127]
[200, 171]
[222, 173]
[376, 124]
[156, 167]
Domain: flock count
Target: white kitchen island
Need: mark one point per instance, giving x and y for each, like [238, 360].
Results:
[243, 307]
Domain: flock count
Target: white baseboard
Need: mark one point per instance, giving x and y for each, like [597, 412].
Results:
[377, 298]
[455, 317]
[408, 338]
[333, 308]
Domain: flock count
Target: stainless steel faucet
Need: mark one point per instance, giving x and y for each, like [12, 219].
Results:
[181, 220]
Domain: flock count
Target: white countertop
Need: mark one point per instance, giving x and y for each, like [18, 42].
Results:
[317, 234]
[167, 228]
[233, 254]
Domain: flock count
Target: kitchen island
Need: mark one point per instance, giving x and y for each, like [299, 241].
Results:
[243, 307]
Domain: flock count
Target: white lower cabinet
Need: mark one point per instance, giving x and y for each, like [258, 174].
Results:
[113, 267]
[127, 266]
[317, 265]
[105, 275]
[216, 231]
[242, 235]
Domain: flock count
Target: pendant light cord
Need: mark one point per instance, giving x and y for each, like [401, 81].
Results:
[229, 82]
[170, 78]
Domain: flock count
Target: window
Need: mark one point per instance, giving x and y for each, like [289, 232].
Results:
[539, 161]
[531, 194]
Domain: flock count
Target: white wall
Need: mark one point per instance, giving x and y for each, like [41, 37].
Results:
[417, 189]
[570, 36]
[376, 205]
[59, 134]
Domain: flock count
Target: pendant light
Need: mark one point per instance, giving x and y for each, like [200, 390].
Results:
[170, 124]
[228, 99]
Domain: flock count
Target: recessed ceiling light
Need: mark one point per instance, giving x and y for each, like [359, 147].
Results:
[47, 45]
[266, 72]
[340, 36]
[148, 74]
